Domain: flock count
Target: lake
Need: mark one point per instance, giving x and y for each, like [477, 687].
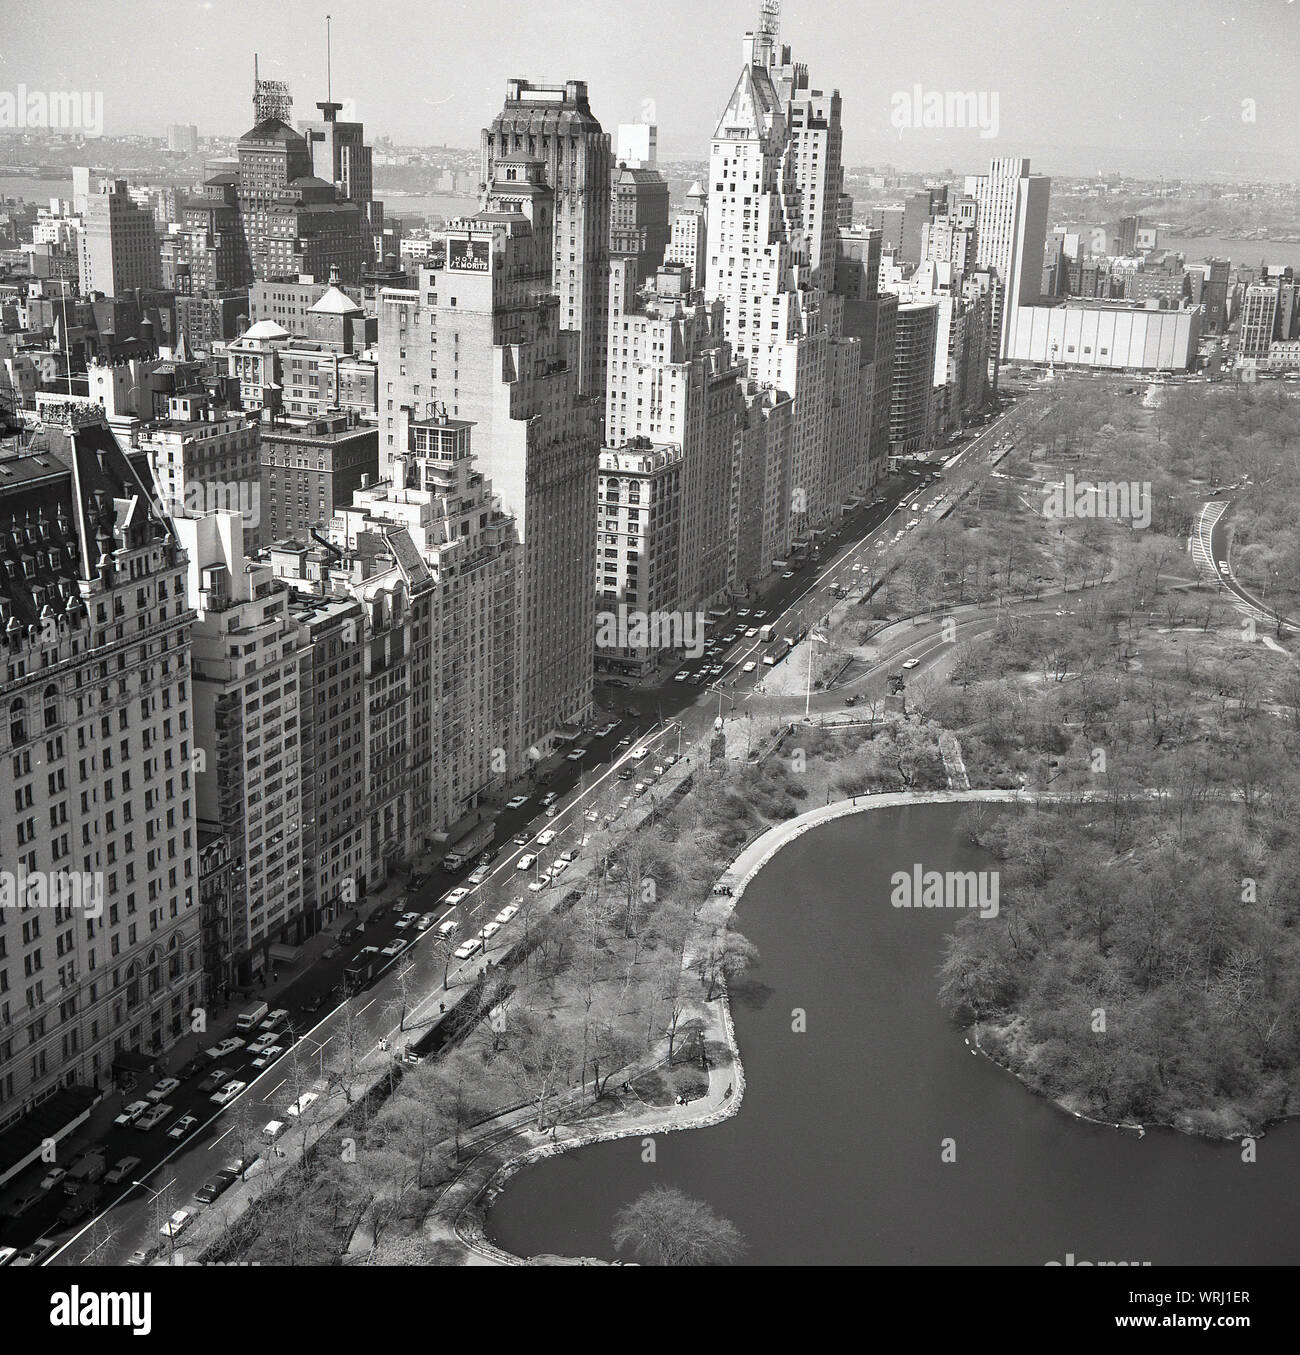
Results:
[835, 1156]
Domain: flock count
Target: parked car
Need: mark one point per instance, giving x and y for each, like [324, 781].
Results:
[548, 799]
[546, 837]
[446, 928]
[408, 918]
[268, 1056]
[577, 755]
[53, 1177]
[517, 802]
[191, 1066]
[301, 1105]
[507, 913]
[162, 1090]
[272, 1130]
[490, 930]
[131, 1113]
[22, 1204]
[525, 862]
[212, 1188]
[417, 881]
[749, 666]
[457, 895]
[479, 875]
[468, 948]
[224, 1047]
[178, 1223]
[394, 948]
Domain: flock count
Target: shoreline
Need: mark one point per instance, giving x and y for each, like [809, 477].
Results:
[468, 1221]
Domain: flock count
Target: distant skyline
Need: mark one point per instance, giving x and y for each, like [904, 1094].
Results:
[1179, 87]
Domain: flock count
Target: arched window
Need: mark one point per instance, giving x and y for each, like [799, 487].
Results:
[17, 722]
[132, 985]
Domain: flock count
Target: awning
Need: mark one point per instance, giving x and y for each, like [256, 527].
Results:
[133, 1061]
[280, 951]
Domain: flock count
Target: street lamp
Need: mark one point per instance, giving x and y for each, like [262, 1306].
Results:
[154, 1196]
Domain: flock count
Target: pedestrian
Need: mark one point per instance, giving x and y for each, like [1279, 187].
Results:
[442, 1006]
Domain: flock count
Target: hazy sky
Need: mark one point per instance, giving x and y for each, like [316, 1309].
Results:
[1139, 85]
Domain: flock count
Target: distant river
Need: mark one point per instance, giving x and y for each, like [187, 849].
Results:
[835, 1155]
[395, 204]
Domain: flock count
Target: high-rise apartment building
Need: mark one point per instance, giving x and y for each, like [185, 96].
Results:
[913, 377]
[206, 456]
[100, 948]
[688, 240]
[1011, 232]
[555, 124]
[638, 219]
[672, 384]
[118, 247]
[451, 515]
[310, 470]
[484, 339]
[183, 138]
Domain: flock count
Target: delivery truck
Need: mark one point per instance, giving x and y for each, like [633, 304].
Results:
[466, 851]
[249, 1018]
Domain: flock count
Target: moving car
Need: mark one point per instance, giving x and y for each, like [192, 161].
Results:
[548, 799]
[227, 1093]
[478, 875]
[185, 1125]
[426, 921]
[546, 837]
[749, 666]
[517, 802]
[788, 574]
[1223, 566]
[682, 675]
[446, 928]
[81, 1204]
[456, 896]
[163, 1089]
[268, 1056]
[525, 862]
[522, 839]
[122, 1170]
[407, 918]
[218, 1077]
[53, 1177]
[911, 663]
[154, 1117]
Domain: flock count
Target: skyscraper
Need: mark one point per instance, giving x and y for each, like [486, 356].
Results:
[484, 340]
[118, 245]
[554, 123]
[1011, 233]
